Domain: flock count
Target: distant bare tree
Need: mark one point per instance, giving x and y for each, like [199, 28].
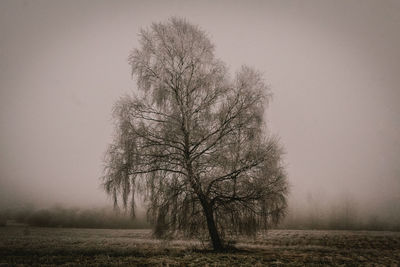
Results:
[194, 143]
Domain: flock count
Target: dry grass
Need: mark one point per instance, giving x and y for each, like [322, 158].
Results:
[99, 247]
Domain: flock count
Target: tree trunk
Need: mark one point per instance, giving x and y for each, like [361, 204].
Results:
[212, 228]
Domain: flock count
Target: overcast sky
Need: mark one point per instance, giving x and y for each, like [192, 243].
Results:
[333, 68]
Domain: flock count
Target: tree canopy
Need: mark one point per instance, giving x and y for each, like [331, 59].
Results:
[193, 142]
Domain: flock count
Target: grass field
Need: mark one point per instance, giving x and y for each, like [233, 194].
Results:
[101, 247]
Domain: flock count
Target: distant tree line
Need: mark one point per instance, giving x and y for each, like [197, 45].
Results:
[71, 218]
[339, 217]
[345, 214]
[338, 222]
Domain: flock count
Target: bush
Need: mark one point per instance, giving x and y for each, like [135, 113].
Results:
[3, 221]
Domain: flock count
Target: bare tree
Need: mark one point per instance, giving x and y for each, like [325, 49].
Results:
[194, 143]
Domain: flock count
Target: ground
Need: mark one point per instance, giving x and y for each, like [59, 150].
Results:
[102, 247]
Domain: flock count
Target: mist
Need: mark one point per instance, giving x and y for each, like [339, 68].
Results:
[332, 66]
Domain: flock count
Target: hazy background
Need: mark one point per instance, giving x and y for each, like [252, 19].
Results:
[333, 67]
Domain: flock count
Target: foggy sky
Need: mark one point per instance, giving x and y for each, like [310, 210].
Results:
[333, 68]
